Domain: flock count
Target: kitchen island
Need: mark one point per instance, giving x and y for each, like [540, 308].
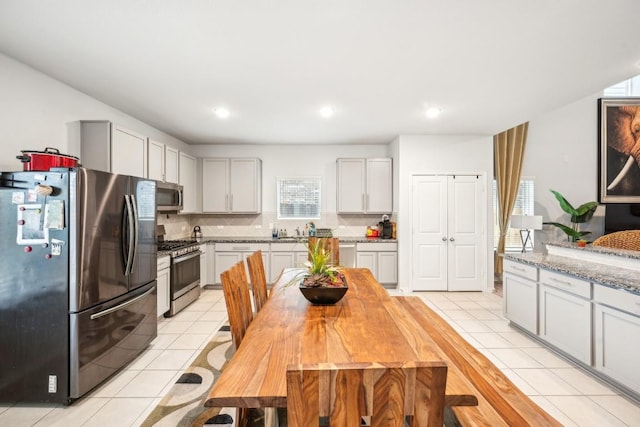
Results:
[584, 303]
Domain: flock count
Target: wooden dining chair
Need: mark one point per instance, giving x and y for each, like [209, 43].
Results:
[627, 239]
[386, 392]
[235, 288]
[258, 279]
[331, 244]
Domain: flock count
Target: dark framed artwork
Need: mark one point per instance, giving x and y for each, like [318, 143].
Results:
[619, 141]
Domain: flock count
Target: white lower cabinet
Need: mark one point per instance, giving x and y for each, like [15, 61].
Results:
[228, 254]
[203, 265]
[594, 324]
[381, 259]
[520, 295]
[616, 335]
[211, 259]
[164, 267]
[565, 316]
[286, 255]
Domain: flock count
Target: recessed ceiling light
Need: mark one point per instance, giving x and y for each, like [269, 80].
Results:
[432, 112]
[221, 112]
[327, 111]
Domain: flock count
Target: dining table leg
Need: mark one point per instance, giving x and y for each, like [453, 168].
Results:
[271, 417]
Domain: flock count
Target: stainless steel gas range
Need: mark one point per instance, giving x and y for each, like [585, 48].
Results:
[184, 282]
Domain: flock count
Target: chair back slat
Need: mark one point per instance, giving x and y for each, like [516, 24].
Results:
[386, 392]
[235, 287]
[331, 244]
[258, 279]
[240, 274]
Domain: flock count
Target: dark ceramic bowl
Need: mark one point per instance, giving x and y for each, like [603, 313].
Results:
[323, 296]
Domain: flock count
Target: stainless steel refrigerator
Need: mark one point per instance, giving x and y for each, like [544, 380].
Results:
[77, 280]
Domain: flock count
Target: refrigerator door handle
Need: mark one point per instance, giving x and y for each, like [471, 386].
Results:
[121, 306]
[129, 235]
[135, 232]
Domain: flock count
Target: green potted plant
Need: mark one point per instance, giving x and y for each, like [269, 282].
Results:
[579, 215]
[320, 282]
[319, 273]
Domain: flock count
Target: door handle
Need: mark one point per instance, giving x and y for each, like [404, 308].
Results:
[452, 239]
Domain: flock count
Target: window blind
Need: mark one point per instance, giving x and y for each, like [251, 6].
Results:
[299, 198]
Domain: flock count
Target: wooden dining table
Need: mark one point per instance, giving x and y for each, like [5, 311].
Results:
[367, 325]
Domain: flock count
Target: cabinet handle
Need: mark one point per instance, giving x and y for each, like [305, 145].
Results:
[226, 202]
[562, 282]
[364, 203]
[231, 202]
[241, 248]
[453, 239]
[444, 238]
[518, 268]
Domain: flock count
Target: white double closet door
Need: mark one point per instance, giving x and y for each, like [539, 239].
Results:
[448, 233]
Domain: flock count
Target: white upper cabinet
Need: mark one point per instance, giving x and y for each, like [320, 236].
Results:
[163, 162]
[379, 186]
[171, 161]
[108, 147]
[231, 185]
[156, 160]
[188, 179]
[365, 186]
[215, 177]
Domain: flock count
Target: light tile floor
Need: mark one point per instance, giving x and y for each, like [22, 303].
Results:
[566, 392]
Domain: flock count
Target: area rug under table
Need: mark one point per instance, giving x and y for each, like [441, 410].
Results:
[183, 405]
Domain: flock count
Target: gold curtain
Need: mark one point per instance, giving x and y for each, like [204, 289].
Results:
[508, 151]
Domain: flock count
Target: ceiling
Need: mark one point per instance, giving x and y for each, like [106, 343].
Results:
[489, 65]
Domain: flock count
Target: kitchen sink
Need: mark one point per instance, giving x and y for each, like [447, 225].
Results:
[292, 239]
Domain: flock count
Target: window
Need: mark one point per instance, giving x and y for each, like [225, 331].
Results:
[522, 206]
[299, 198]
[629, 87]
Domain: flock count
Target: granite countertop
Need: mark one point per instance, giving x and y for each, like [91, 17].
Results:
[598, 249]
[260, 239]
[614, 277]
[292, 239]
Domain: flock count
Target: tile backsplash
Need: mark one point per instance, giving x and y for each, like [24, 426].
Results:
[181, 226]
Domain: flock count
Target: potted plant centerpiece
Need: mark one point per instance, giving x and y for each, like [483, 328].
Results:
[322, 283]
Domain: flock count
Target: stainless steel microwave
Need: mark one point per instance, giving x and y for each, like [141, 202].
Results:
[169, 197]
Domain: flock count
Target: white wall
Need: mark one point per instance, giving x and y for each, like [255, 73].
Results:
[37, 111]
[562, 154]
[439, 154]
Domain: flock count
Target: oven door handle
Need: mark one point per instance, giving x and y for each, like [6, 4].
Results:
[186, 257]
[121, 306]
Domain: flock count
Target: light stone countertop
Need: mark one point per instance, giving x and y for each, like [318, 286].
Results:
[260, 239]
[614, 277]
[292, 239]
